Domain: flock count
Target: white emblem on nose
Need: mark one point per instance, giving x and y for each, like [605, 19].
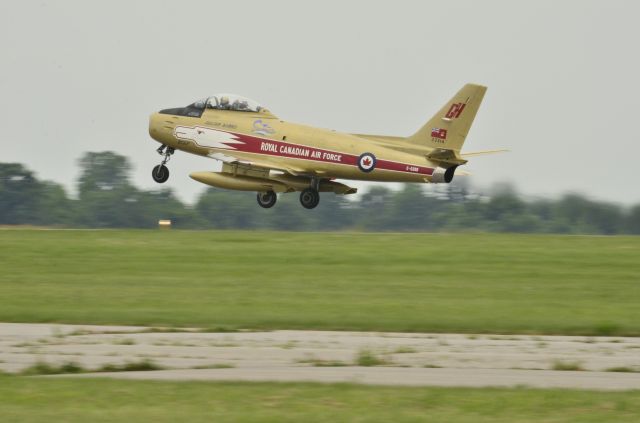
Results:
[207, 137]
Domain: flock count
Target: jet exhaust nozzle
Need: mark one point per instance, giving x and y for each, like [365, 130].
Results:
[443, 175]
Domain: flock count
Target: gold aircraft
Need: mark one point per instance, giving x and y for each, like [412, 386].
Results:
[262, 153]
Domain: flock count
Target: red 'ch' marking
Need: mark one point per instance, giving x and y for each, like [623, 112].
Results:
[455, 110]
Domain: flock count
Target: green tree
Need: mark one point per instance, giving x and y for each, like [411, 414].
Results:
[632, 225]
[289, 215]
[335, 212]
[225, 209]
[507, 212]
[409, 209]
[19, 192]
[582, 215]
[103, 172]
[374, 209]
[152, 206]
[107, 198]
[53, 206]
[25, 200]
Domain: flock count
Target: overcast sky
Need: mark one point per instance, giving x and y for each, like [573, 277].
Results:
[563, 78]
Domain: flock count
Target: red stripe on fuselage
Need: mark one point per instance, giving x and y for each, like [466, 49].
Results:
[270, 147]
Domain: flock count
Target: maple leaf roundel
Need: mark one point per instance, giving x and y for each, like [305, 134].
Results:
[366, 162]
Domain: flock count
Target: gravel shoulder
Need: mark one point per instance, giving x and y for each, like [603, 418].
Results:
[412, 359]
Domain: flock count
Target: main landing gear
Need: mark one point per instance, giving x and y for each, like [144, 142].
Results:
[267, 199]
[160, 173]
[310, 197]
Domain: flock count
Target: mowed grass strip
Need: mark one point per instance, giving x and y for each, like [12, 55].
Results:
[474, 283]
[104, 400]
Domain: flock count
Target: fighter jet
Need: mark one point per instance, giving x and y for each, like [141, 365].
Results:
[263, 153]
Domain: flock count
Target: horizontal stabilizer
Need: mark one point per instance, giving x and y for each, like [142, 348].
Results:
[481, 153]
[446, 156]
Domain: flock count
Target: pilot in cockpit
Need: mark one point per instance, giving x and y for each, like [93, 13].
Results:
[224, 103]
[240, 105]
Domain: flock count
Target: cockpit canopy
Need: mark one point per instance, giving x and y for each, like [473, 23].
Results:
[218, 102]
[231, 102]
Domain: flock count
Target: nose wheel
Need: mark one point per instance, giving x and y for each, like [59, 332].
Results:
[160, 173]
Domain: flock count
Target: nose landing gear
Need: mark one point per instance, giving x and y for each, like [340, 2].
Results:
[160, 173]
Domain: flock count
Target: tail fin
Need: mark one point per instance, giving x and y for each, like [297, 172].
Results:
[449, 127]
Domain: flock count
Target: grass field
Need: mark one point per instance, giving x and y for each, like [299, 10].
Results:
[388, 282]
[102, 400]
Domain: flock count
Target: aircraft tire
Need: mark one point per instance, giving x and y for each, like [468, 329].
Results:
[160, 174]
[267, 199]
[309, 198]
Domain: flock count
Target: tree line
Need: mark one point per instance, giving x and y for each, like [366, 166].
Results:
[107, 199]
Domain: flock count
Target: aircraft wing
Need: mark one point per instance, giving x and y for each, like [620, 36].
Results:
[268, 177]
[259, 163]
[382, 139]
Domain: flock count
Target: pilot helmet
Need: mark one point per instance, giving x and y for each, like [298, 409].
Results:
[224, 101]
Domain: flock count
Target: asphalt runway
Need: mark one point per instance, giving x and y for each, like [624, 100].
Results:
[411, 359]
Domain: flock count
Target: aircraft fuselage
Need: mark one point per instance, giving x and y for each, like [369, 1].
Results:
[263, 153]
[268, 141]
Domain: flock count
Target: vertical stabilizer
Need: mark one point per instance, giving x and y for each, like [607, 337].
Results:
[449, 127]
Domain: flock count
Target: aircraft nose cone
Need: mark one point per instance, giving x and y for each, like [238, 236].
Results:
[154, 126]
